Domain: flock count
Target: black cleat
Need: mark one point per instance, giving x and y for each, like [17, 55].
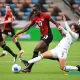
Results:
[25, 62]
[26, 70]
[15, 57]
[78, 66]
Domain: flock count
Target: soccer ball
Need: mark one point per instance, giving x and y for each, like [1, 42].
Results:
[16, 68]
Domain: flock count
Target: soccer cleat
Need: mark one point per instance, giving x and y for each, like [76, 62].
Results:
[78, 66]
[3, 54]
[21, 53]
[25, 62]
[15, 57]
[26, 70]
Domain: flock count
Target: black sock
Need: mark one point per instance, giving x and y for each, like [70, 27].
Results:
[34, 55]
[8, 49]
[18, 45]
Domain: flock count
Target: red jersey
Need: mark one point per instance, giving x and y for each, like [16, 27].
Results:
[8, 26]
[43, 22]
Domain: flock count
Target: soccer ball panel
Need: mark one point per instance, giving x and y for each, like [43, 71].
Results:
[16, 68]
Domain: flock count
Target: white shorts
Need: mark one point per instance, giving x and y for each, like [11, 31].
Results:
[59, 53]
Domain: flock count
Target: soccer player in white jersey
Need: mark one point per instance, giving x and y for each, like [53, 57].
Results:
[61, 50]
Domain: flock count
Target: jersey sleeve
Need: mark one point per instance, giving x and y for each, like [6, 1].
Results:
[47, 16]
[67, 26]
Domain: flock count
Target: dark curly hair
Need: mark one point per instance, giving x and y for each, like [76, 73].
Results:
[38, 6]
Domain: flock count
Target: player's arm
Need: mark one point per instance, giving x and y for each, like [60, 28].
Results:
[69, 29]
[54, 22]
[63, 31]
[7, 21]
[73, 34]
[24, 30]
[66, 24]
[78, 22]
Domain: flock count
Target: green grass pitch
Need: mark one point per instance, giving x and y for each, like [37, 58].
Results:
[43, 70]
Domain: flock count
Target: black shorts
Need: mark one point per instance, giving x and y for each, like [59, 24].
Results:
[47, 39]
[10, 33]
[1, 38]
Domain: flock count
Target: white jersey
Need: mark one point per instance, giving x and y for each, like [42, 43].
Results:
[61, 50]
[69, 38]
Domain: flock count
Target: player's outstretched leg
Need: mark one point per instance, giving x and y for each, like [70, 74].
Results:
[10, 51]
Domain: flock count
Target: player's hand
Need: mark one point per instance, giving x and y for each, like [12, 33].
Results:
[14, 36]
[78, 22]
[60, 27]
[64, 18]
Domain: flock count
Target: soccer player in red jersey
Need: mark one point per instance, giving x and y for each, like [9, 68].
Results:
[3, 45]
[8, 29]
[42, 20]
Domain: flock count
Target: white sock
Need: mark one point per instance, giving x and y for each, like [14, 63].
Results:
[36, 59]
[71, 68]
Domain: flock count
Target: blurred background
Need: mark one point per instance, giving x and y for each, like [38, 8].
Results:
[55, 8]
